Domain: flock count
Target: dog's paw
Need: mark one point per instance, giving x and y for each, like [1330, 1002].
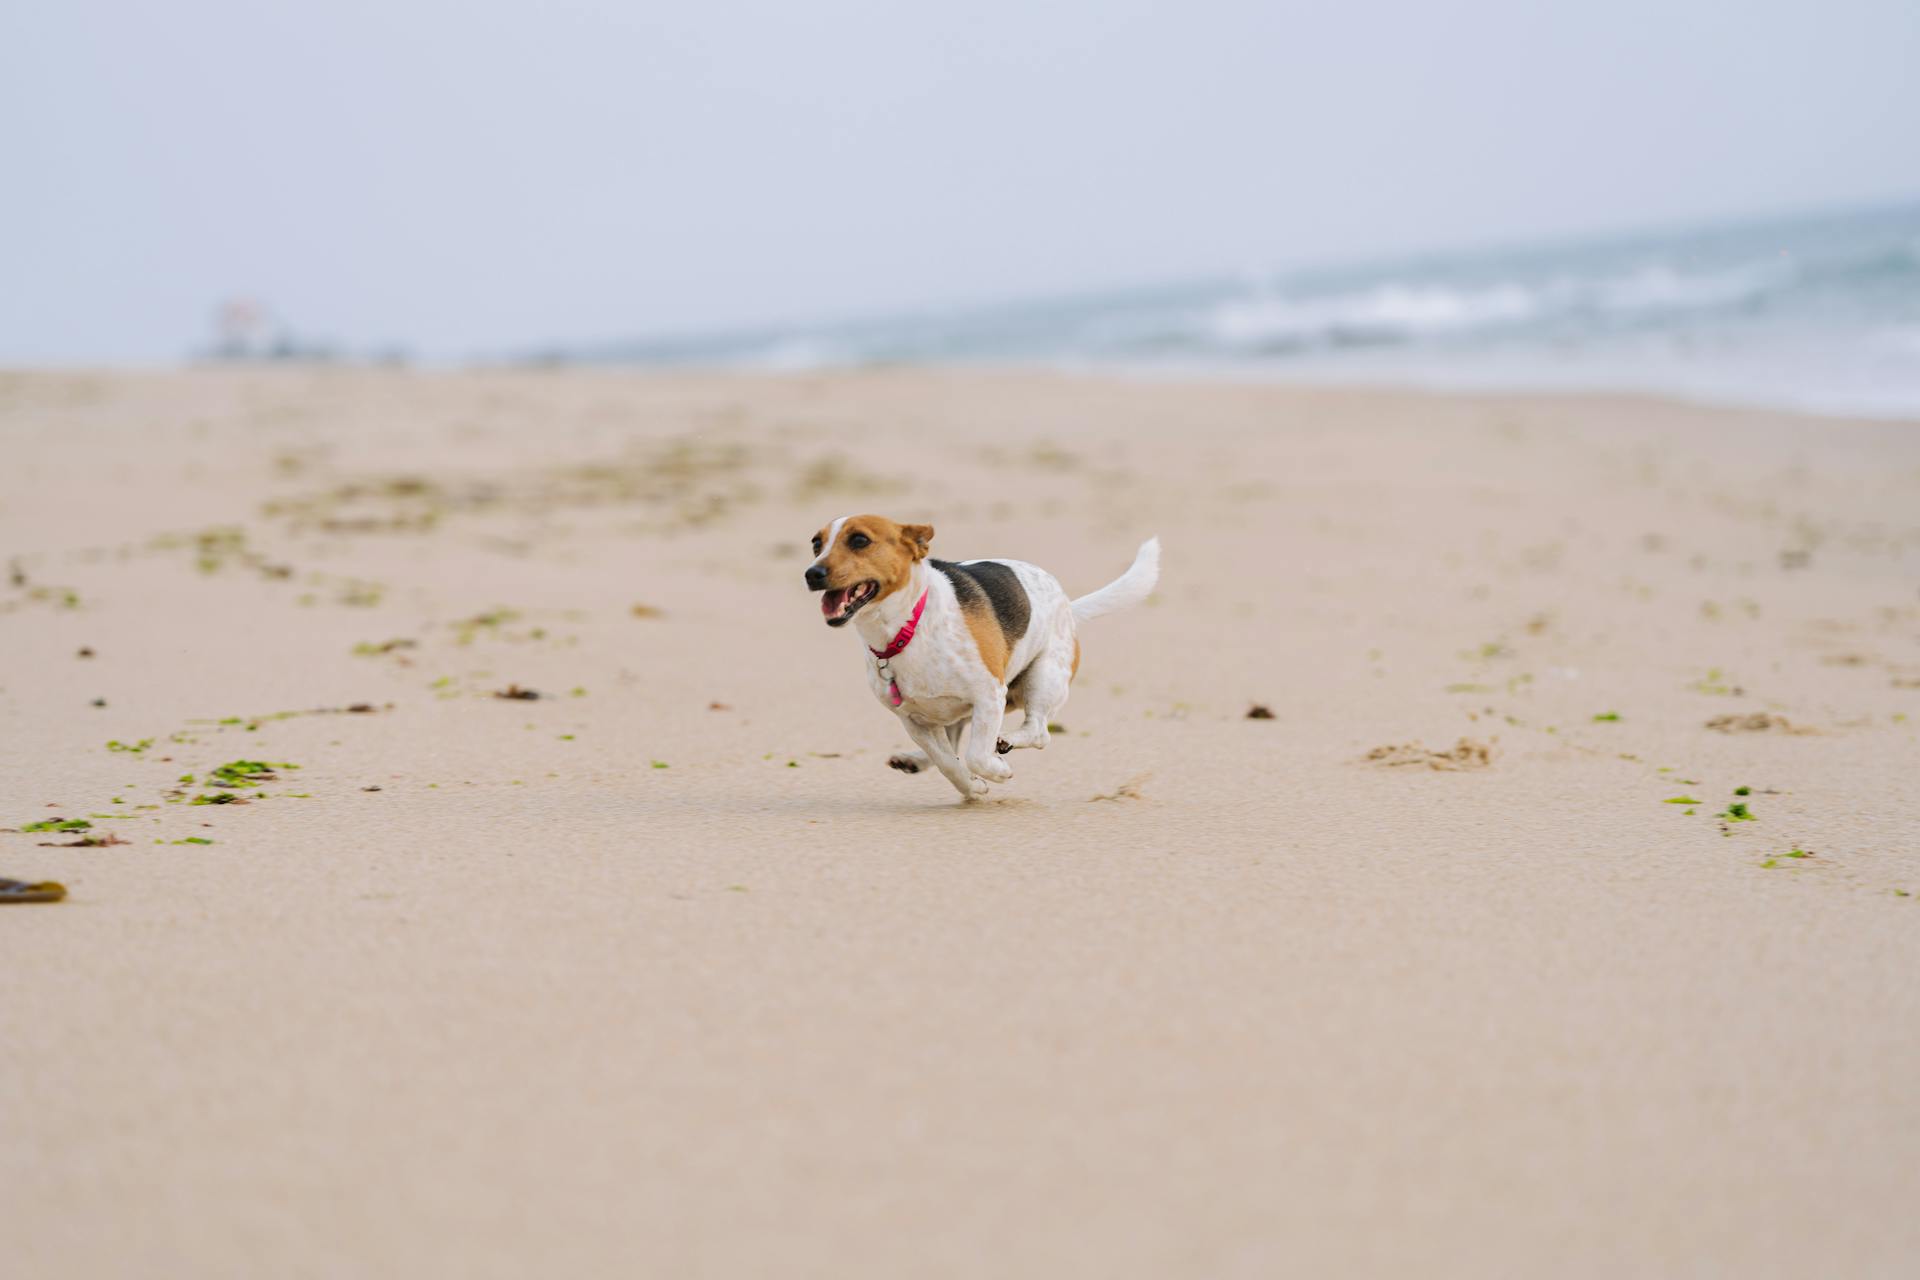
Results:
[1032, 735]
[908, 761]
[993, 769]
[970, 788]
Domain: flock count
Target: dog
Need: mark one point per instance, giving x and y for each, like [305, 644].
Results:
[953, 647]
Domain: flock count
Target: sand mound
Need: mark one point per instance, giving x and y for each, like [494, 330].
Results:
[1755, 722]
[1466, 754]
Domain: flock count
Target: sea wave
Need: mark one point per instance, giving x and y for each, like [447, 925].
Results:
[1791, 310]
[1383, 312]
[1411, 310]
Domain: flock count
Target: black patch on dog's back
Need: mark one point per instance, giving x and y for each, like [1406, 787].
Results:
[1001, 588]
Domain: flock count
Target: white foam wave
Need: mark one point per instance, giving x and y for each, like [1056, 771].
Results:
[1658, 287]
[1386, 311]
[1404, 311]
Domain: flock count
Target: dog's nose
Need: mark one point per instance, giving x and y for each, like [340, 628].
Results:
[817, 577]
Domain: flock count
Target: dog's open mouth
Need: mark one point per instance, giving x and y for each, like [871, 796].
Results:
[842, 603]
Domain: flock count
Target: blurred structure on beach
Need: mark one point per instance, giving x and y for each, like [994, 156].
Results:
[246, 330]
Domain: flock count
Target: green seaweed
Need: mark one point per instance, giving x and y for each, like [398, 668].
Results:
[1716, 684]
[493, 620]
[245, 773]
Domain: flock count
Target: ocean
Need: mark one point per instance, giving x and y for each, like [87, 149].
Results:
[1816, 313]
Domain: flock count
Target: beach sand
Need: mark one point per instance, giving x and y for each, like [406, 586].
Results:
[665, 973]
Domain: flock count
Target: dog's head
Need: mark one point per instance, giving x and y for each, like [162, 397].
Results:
[860, 559]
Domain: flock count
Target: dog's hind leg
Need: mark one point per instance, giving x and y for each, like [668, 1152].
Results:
[983, 736]
[1044, 687]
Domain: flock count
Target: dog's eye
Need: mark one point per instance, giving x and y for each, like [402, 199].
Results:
[858, 541]
[816, 546]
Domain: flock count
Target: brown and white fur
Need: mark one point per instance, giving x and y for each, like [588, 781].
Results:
[996, 636]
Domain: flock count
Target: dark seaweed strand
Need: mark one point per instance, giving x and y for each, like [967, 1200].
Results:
[1000, 585]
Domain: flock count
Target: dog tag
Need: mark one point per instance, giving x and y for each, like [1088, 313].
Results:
[893, 692]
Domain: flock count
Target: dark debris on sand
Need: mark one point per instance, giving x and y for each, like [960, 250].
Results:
[22, 891]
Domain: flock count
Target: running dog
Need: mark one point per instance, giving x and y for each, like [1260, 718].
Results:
[956, 646]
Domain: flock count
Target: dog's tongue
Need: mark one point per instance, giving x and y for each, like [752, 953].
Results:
[830, 602]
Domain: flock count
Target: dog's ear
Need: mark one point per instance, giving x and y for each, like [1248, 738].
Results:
[917, 537]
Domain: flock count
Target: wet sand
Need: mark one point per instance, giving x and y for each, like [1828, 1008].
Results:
[664, 972]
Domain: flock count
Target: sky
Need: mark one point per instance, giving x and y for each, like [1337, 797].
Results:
[484, 177]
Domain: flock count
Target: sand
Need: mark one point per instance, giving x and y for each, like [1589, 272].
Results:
[665, 973]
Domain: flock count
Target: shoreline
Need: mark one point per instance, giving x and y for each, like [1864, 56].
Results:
[1195, 375]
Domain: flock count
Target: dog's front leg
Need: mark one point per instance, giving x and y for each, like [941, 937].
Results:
[940, 753]
[983, 735]
[916, 761]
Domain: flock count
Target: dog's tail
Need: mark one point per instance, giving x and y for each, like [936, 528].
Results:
[1125, 591]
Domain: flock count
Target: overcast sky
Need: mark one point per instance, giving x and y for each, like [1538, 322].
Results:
[480, 176]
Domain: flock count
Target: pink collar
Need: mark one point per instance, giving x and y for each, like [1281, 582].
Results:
[902, 637]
